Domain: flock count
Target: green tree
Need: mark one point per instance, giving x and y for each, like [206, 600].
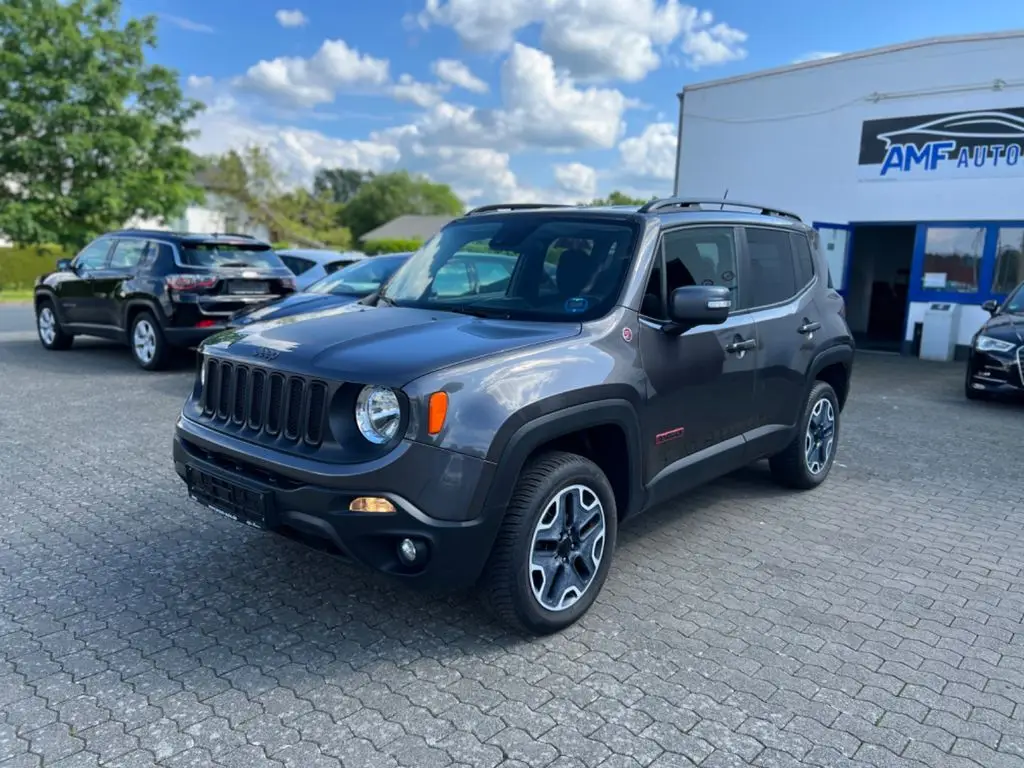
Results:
[90, 134]
[390, 195]
[619, 198]
[340, 184]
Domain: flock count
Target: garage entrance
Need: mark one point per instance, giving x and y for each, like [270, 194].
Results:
[878, 278]
[870, 266]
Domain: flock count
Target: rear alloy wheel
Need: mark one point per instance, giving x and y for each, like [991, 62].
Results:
[552, 555]
[51, 335]
[147, 342]
[807, 460]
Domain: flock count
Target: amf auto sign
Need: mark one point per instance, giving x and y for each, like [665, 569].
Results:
[950, 145]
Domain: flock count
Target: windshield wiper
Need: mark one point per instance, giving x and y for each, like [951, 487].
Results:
[234, 264]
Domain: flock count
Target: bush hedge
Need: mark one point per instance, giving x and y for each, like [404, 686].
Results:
[374, 247]
[19, 267]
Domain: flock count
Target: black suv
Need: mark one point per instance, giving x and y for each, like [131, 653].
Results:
[995, 362]
[156, 290]
[447, 431]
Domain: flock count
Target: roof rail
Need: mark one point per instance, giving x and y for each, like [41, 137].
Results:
[696, 202]
[515, 207]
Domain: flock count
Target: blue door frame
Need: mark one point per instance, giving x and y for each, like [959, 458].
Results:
[915, 291]
[848, 228]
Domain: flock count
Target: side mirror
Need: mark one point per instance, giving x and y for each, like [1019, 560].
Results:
[990, 306]
[64, 265]
[695, 305]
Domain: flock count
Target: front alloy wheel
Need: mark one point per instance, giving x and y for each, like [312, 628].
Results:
[552, 554]
[51, 335]
[568, 543]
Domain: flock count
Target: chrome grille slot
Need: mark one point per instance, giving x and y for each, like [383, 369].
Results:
[286, 408]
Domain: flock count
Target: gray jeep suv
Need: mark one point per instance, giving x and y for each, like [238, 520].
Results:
[530, 379]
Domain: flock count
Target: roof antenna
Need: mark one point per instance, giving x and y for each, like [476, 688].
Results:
[722, 206]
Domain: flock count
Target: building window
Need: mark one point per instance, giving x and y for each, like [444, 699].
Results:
[1009, 271]
[952, 259]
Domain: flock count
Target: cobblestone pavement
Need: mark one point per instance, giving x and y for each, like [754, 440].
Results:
[873, 622]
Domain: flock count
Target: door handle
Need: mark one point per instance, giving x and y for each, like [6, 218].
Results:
[741, 346]
[808, 327]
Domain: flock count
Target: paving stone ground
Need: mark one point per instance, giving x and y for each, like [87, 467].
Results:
[873, 622]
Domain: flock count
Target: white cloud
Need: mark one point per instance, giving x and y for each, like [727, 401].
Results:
[816, 56]
[454, 72]
[594, 39]
[198, 82]
[421, 94]
[648, 161]
[316, 80]
[577, 179]
[293, 18]
[187, 24]
[540, 108]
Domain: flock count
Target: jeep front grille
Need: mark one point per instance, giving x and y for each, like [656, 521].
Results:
[289, 407]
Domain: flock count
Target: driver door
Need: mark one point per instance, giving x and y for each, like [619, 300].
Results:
[701, 383]
[77, 294]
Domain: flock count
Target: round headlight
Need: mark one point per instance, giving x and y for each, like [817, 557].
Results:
[378, 413]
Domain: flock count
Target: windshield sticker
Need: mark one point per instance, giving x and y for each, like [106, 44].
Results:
[577, 304]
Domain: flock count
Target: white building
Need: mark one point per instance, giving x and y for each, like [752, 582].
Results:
[907, 159]
[217, 214]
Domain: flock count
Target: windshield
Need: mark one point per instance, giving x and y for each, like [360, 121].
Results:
[360, 278]
[1015, 302]
[212, 255]
[522, 266]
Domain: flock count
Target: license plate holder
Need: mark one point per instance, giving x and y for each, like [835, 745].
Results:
[249, 287]
[242, 502]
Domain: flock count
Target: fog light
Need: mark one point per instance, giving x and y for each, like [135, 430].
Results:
[371, 504]
[408, 551]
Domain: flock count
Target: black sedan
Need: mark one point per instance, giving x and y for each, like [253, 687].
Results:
[346, 286]
[995, 364]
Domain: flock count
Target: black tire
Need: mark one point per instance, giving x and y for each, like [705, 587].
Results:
[153, 357]
[790, 466]
[508, 586]
[46, 318]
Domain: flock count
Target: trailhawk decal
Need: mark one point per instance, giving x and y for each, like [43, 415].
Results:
[951, 145]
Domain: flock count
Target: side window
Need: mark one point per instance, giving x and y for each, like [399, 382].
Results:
[94, 255]
[773, 276]
[296, 265]
[452, 280]
[692, 256]
[804, 260]
[128, 253]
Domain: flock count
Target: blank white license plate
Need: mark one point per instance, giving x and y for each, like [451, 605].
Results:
[251, 288]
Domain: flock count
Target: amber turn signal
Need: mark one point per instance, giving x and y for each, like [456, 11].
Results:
[437, 412]
[371, 504]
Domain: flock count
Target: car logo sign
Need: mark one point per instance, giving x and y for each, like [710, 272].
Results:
[266, 353]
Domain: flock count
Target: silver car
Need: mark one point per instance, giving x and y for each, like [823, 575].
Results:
[311, 264]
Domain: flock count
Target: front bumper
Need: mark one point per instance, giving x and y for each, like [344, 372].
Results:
[996, 374]
[308, 501]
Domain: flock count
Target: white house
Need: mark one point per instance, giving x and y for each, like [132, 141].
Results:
[907, 159]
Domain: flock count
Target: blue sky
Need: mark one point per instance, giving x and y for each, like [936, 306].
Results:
[503, 99]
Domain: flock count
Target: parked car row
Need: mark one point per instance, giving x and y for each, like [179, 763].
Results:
[486, 411]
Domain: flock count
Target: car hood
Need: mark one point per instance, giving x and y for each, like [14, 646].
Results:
[381, 345]
[1008, 326]
[291, 305]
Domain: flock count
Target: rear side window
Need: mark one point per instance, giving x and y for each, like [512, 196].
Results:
[804, 260]
[773, 274]
[128, 253]
[215, 255]
[296, 265]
